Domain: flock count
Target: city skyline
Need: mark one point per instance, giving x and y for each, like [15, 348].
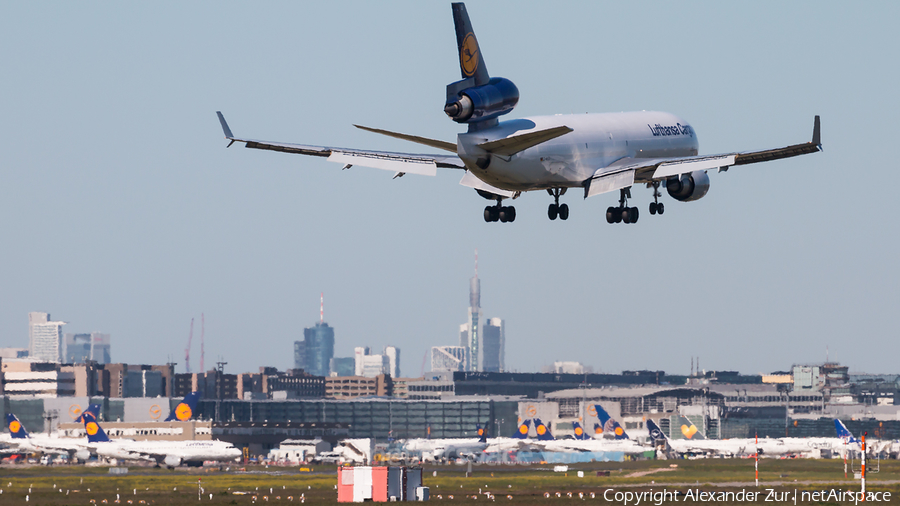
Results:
[125, 213]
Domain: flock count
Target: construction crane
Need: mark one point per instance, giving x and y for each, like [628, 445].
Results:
[187, 351]
[202, 331]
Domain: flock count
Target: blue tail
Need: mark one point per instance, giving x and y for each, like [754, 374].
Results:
[522, 431]
[656, 434]
[543, 432]
[185, 409]
[482, 434]
[609, 425]
[16, 430]
[843, 433]
[95, 433]
[579, 432]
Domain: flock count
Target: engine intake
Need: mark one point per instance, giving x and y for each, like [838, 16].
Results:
[496, 98]
[688, 187]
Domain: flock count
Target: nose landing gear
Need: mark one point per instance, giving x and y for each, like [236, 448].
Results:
[557, 209]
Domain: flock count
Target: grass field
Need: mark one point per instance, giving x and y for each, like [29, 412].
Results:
[525, 485]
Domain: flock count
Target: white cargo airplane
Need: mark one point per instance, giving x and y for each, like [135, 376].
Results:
[599, 153]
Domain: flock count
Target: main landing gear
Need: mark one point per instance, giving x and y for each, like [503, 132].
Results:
[557, 209]
[623, 213]
[656, 207]
[499, 213]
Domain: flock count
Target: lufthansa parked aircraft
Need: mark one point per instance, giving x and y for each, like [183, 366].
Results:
[598, 153]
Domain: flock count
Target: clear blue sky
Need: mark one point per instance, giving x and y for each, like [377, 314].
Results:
[122, 212]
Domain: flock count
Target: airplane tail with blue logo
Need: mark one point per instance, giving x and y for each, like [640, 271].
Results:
[656, 434]
[608, 425]
[579, 431]
[95, 433]
[843, 432]
[543, 432]
[522, 430]
[185, 409]
[16, 429]
[689, 430]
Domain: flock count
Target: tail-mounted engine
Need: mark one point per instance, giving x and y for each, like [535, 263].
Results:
[688, 187]
[470, 104]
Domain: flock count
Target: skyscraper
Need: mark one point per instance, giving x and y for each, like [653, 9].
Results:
[393, 355]
[493, 346]
[315, 352]
[45, 339]
[485, 339]
[449, 358]
[80, 348]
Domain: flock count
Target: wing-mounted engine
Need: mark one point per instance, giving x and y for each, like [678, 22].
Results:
[688, 187]
[469, 104]
[172, 461]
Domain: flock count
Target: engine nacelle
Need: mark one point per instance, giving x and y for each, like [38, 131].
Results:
[172, 461]
[84, 455]
[688, 187]
[496, 98]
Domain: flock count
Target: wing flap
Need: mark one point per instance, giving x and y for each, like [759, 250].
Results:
[406, 164]
[683, 166]
[434, 143]
[512, 145]
[472, 181]
[609, 181]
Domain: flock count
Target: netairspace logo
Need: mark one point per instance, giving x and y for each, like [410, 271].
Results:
[695, 495]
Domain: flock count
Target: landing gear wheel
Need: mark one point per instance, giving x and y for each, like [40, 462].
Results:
[553, 211]
[660, 208]
[653, 207]
[564, 211]
[626, 215]
[488, 214]
[618, 215]
[507, 214]
[634, 214]
[610, 215]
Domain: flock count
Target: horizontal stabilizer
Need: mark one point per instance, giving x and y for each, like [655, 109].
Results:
[446, 146]
[512, 145]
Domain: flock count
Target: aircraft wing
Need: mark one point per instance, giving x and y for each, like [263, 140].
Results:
[627, 171]
[400, 163]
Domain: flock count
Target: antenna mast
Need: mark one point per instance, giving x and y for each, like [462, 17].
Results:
[322, 307]
[187, 351]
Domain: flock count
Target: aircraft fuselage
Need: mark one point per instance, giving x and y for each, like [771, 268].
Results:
[596, 141]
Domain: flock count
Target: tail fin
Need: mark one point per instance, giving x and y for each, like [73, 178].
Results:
[579, 432]
[94, 432]
[689, 430]
[842, 431]
[16, 430]
[471, 60]
[185, 409]
[656, 434]
[482, 434]
[609, 425]
[522, 431]
[543, 433]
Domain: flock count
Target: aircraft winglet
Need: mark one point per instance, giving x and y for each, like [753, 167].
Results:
[817, 132]
[228, 134]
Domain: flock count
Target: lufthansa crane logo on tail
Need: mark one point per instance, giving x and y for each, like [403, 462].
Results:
[468, 55]
[14, 426]
[183, 412]
[92, 428]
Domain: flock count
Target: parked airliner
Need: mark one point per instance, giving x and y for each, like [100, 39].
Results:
[598, 153]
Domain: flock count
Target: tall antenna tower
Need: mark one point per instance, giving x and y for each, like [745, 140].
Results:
[187, 351]
[202, 331]
[322, 307]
